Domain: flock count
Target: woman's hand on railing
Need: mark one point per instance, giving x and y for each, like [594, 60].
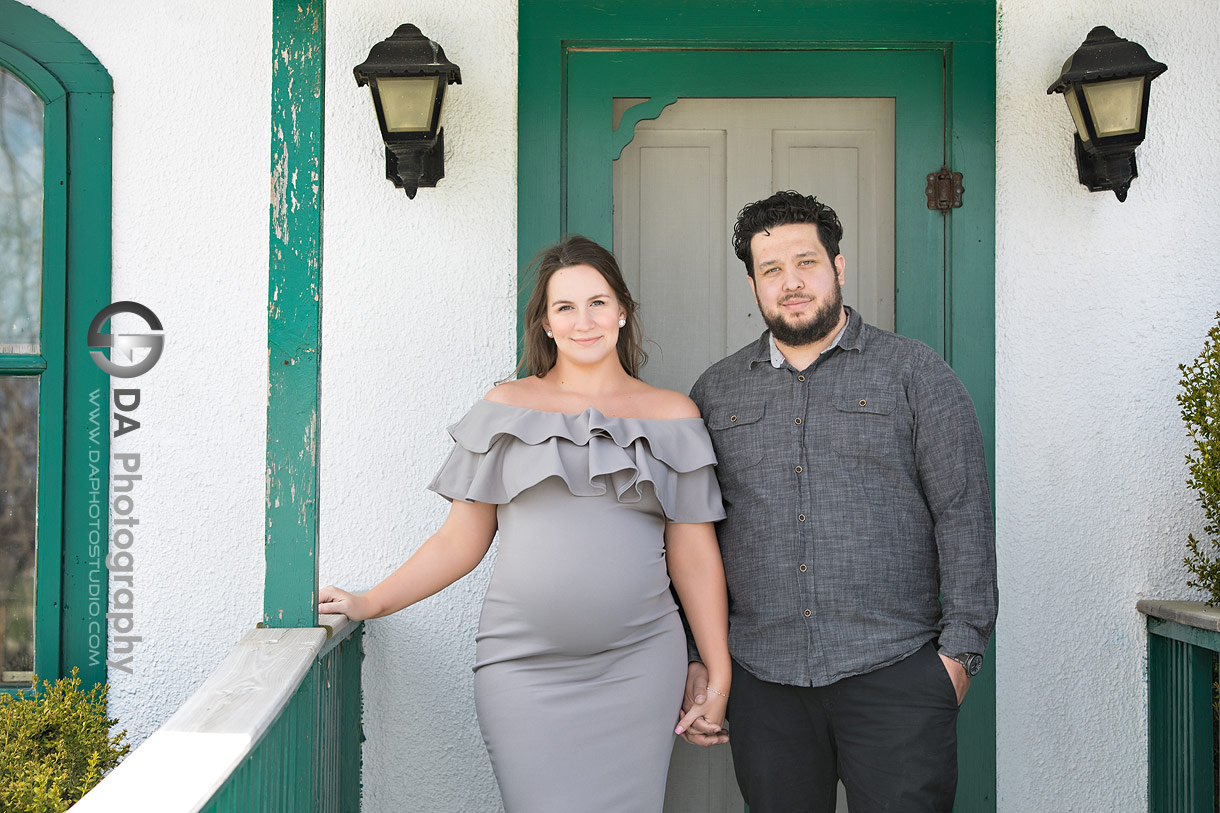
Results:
[333, 600]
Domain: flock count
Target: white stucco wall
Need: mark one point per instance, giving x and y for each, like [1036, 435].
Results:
[190, 170]
[1097, 302]
[420, 321]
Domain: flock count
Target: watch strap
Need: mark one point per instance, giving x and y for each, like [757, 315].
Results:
[972, 662]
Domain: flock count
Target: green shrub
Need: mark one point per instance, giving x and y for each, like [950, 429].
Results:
[54, 746]
[1200, 402]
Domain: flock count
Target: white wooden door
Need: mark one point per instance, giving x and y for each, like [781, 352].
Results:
[680, 183]
[678, 187]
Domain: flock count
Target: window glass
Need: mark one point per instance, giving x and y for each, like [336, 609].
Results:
[18, 512]
[21, 150]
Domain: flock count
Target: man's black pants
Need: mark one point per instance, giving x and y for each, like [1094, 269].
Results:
[890, 735]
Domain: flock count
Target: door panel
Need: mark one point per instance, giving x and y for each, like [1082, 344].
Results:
[852, 171]
[842, 167]
[677, 188]
[676, 195]
[913, 81]
[670, 189]
[679, 185]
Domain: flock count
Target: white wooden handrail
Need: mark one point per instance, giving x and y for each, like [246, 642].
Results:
[1188, 613]
[184, 762]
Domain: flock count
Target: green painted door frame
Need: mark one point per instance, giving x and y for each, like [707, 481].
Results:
[560, 39]
[74, 395]
[914, 78]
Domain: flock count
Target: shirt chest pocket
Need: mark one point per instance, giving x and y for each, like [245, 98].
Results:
[737, 436]
[863, 424]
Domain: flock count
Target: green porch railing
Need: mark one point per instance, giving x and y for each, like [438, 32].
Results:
[1183, 642]
[276, 727]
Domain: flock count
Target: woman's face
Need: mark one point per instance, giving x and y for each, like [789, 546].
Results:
[582, 314]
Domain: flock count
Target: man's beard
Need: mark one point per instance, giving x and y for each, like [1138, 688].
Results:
[824, 320]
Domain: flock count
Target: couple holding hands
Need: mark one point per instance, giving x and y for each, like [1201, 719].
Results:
[819, 505]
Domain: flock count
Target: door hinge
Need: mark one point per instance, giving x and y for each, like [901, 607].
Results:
[944, 190]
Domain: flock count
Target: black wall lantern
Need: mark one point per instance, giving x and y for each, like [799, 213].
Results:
[1106, 84]
[407, 75]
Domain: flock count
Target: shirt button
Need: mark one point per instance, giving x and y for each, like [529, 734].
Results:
[800, 517]
[800, 469]
[732, 419]
[809, 613]
[798, 421]
[800, 378]
[863, 402]
[803, 568]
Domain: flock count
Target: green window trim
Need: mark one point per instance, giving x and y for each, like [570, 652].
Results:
[74, 451]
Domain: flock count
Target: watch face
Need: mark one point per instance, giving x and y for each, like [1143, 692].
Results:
[973, 664]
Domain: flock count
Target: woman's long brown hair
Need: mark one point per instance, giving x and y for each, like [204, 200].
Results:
[539, 354]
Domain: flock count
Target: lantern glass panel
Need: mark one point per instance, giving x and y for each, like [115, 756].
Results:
[1074, 107]
[407, 102]
[1115, 105]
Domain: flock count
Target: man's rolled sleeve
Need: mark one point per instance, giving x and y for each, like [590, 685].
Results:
[953, 474]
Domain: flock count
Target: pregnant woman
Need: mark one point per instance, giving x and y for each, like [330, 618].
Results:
[603, 492]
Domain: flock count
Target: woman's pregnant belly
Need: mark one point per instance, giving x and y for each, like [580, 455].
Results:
[574, 575]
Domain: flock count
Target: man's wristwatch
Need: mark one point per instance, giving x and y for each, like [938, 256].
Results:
[972, 662]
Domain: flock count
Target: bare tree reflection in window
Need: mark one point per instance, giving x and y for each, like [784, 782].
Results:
[18, 512]
[21, 193]
[21, 226]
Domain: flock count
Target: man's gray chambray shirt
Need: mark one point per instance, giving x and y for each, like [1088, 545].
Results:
[859, 516]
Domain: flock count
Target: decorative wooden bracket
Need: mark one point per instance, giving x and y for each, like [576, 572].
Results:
[944, 190]
[625, 132]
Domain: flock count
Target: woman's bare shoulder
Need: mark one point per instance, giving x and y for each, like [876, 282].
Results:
[520, 392]
[661, 404]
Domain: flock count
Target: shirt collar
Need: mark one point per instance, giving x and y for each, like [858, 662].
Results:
[852, 335]
[848, 338]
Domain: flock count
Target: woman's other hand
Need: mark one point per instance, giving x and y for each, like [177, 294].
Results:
[701, 721]
[702, 724]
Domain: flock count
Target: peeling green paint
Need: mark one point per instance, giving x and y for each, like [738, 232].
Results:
[294, 313]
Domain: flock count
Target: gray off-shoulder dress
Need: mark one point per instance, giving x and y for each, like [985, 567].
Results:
[580, 656]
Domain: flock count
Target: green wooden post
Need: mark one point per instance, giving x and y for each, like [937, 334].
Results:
[294, 309]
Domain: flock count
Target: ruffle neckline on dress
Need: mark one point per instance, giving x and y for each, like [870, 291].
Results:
[501, 450]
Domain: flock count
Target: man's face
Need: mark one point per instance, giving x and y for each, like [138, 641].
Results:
[796, 284]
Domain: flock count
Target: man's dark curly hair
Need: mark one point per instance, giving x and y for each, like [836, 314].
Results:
[782, 209]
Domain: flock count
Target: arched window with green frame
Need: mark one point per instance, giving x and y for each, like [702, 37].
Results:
[55, 159]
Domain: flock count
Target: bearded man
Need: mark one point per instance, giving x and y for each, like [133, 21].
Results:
[859, 546]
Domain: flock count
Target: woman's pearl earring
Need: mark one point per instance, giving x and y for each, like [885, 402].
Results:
[550, 335]
[622, 322]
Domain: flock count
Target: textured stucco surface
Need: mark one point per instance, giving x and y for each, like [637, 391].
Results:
[1097, 303]
[420, 321]
[191, 158]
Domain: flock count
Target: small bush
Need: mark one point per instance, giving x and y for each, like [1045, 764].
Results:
[54, 746]
[1200, 402]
